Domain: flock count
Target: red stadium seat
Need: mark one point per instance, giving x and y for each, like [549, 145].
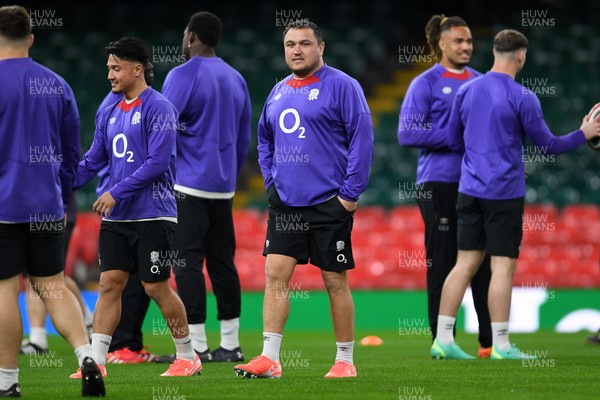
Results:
[580, 214]
[406, 218]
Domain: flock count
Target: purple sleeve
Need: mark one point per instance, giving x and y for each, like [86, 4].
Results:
[455, 128]
[69, 142]
[356, 118]
[243, 142]
[161, 145]
[535, 127]
[414, 125]
[94, 159]
[266, 145]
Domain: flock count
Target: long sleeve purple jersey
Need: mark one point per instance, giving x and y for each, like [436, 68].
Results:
[491, 117]
[214, 125]
[103, 179]
[137, 142]
[315, 138]
[423, 120]
[39, 141]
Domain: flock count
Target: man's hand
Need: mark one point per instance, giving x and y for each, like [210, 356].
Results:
[348, 205]
[591, 129]
[104, 205]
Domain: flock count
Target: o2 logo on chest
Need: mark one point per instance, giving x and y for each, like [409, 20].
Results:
[295, 126]
[125, 152]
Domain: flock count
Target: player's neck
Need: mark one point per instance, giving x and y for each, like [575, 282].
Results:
[135, 91]
[450, 66]
[503, 67]
[12, 52]
[204, 51]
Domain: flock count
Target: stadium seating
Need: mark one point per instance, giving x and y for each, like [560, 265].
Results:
[560, 248]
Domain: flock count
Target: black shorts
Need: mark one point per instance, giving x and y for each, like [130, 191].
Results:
[319, 234]
[35, 248]
[66, 240]
[143, 247]
[495, 226]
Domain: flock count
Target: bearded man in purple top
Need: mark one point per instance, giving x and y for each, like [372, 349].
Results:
[491, 118]
[315, 145]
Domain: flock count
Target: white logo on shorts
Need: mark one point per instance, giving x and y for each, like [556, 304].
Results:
[267, 243]
[154, 259]
[444, 225]
[340, 245]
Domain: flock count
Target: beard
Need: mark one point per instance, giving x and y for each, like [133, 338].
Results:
[306, 70]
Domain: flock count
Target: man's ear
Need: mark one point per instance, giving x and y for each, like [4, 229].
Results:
[521, 56]
[31, 39]
[442, 44]
[139, 70]
[191, 37]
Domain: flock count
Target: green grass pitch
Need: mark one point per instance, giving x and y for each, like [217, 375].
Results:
[399, 369]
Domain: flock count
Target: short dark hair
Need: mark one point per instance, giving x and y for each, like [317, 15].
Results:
[434, 28]
[207, 26]
[15, 23]
[130, 49]
[304, 23]
[509, 40]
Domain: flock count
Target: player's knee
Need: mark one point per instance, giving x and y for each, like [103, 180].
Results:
[155, 290]
[277, 272]
[335, 283]
[111, 284]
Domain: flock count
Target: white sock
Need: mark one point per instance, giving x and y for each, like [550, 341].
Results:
[271, 345]
[500, 335]
[82, 352]
[8, 377]
[100, 345]
[445, 329]
[198, 335]
[345, 351]
[229, 333]
[88, 316]
[184, 348]
[38, 336]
